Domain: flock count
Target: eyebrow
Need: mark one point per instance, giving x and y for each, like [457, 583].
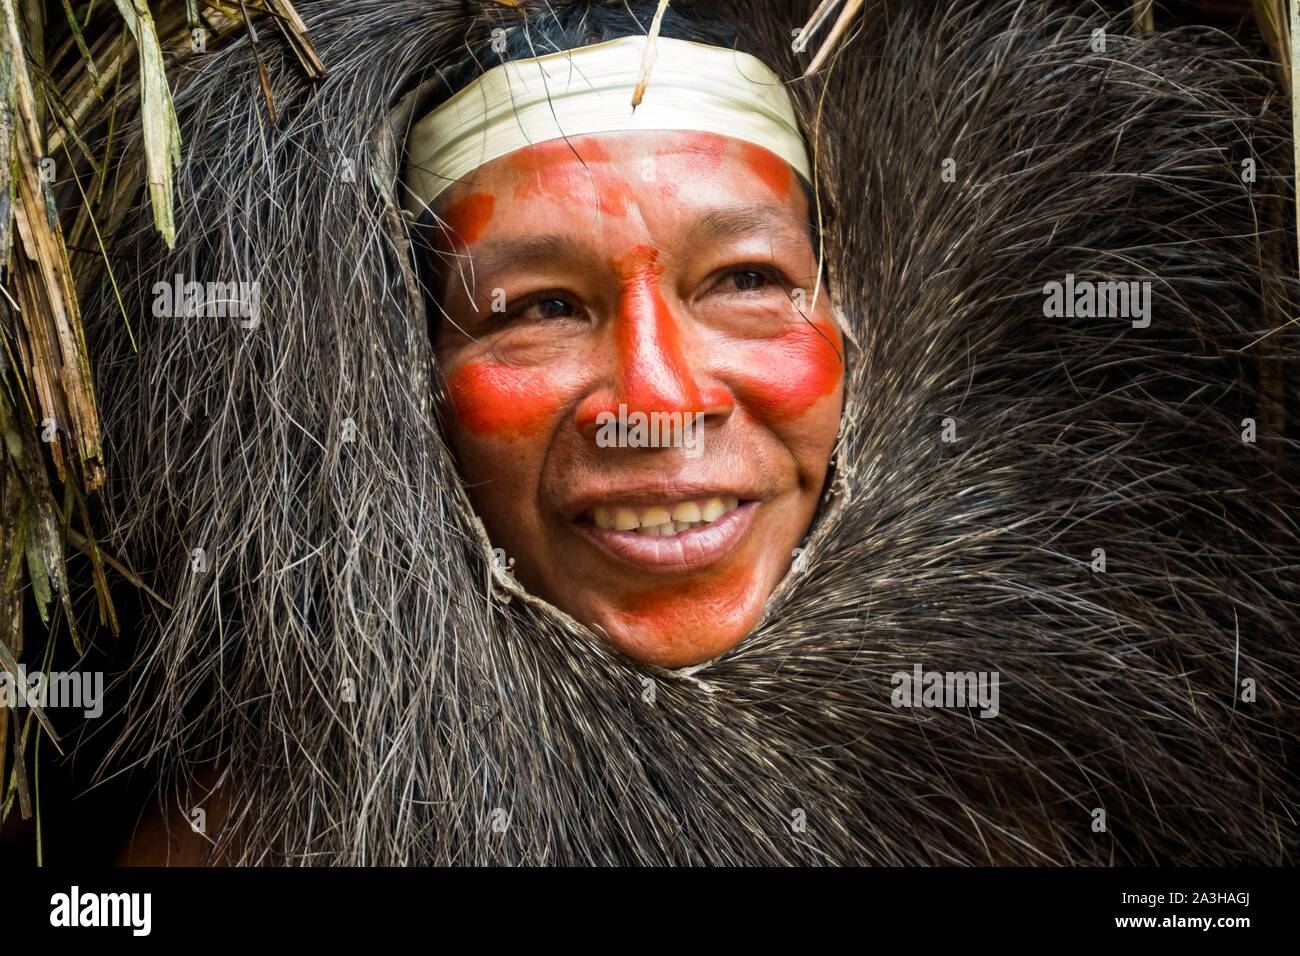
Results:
[726, 223]
[737, 222]
[494, 256]
[524, 252]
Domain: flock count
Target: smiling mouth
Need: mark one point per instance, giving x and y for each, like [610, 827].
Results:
[674, 537]
[662, 521]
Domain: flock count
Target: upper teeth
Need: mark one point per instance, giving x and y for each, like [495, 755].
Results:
[663, 520]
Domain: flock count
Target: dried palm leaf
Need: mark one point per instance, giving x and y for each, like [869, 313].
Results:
[162, 137]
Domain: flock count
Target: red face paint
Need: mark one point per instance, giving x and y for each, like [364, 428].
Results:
[683, 612]
[652, 374]
[800, 366]
[689, 155]
[561, 171]
[468, 217]
[501, 401]
[772, 171]
[654, 343]
[552, 171]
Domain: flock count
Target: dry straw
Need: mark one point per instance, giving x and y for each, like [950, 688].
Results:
[55, 78]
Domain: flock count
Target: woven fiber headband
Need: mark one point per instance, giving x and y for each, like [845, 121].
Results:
[693, 86]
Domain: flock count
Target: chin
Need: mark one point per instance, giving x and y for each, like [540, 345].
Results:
[674, 599]
[673, 651]
[681, 635]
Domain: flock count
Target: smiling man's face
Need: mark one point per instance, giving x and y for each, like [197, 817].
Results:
[664, 272]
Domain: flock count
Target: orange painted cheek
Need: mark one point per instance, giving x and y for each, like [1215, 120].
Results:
[501, 401]
[794, 370]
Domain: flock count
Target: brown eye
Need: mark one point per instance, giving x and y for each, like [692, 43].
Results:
[747, 280]
[547, 308]
[555, 309]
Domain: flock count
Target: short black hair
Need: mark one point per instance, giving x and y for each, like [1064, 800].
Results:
[574, 25]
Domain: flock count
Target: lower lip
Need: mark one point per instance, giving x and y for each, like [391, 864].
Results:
[688, 551]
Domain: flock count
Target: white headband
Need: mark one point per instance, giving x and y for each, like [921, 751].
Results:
[693, 86]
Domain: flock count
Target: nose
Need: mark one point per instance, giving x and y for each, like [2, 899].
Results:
[652, 371]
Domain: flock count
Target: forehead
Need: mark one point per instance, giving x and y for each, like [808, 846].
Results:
[638, 175]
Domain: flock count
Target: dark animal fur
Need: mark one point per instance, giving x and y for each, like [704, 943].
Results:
[360, 560]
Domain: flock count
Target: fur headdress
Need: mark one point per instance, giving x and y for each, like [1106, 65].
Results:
[990, 454]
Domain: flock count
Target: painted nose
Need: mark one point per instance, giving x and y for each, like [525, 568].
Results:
[652, 373]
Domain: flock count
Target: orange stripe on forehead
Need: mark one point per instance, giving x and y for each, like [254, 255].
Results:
[770, 169]
[469, 217]
[568, 171]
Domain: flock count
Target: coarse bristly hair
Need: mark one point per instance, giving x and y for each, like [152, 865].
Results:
[304, 456]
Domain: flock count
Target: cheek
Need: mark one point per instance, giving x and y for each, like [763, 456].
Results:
[785, 376]
[503, 402]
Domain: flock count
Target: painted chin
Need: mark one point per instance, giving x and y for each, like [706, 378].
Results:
[679, 625]
[694, 644]
[681, 598]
